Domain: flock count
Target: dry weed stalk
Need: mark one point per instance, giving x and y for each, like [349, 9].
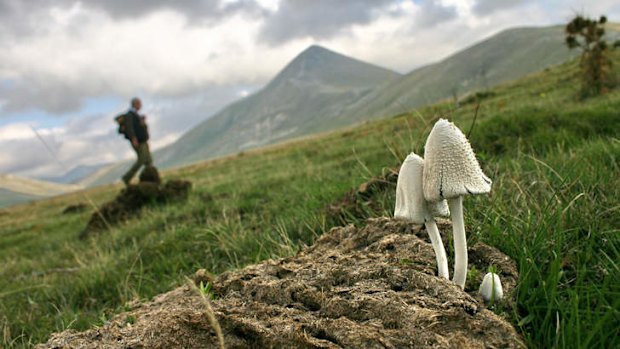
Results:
[210, 313]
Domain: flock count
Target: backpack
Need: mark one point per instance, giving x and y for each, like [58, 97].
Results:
[120, 120]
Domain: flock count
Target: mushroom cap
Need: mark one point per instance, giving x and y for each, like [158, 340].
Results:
[491, 284]
[451, 168]
[410, 203]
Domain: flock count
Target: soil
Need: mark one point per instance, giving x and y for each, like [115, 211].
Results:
[129, 202]
[369, 287]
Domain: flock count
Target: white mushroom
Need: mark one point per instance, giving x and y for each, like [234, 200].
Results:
[410, 205]
[450, 172]
[491, 288]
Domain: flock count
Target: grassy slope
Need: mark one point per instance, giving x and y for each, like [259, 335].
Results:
[554, 208]
[506, 56]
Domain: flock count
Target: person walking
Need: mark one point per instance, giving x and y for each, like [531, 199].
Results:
[137, 133]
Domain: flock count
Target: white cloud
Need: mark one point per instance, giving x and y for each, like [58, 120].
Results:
[80, 52]
[38, 151]
[29, 157]
[159, 54]
[401, 42]
[165, 140]
[16, 131]
[271, 5]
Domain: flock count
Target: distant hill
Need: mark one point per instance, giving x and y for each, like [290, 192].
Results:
[506, 56]
[36, 187]
[8, 198]
[307, 96]
[15, 189]
[76, 174]
[106, 174]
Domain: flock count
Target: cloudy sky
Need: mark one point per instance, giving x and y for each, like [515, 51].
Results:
[68, 67]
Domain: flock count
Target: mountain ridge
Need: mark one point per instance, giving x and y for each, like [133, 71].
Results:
[314, 87]
[75, 175]
[503, 57]
[34, 187]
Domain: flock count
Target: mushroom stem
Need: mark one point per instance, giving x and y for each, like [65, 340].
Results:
[440, 252]
[460, 241]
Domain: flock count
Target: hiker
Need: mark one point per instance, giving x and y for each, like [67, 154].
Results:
[137, 133]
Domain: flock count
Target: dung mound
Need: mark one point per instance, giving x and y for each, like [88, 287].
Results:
[364, 201]
[130, 201]
[150, 174]
[370, 287]
[75, 208]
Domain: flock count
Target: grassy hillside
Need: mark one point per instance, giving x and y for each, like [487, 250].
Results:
[554, 208]
[503, 57]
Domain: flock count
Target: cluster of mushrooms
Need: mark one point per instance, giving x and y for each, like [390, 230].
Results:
[435, 187]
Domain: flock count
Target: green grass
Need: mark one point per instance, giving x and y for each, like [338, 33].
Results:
[554, 208]
[561, 226]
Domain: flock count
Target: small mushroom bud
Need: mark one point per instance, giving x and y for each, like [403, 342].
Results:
[491, 288]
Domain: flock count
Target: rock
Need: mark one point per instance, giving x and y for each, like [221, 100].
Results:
[369, 287]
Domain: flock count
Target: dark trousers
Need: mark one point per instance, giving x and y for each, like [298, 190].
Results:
[144, 158]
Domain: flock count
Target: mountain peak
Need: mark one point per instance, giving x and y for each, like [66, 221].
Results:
[314, 57]
[315, 47]
[307, 96]
[317, 63]
[316, 50]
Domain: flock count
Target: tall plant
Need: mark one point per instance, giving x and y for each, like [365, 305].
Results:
[588, 35]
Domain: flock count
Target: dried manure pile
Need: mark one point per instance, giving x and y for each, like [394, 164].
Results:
[364, 201]
[370, 287]
[131, 199]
